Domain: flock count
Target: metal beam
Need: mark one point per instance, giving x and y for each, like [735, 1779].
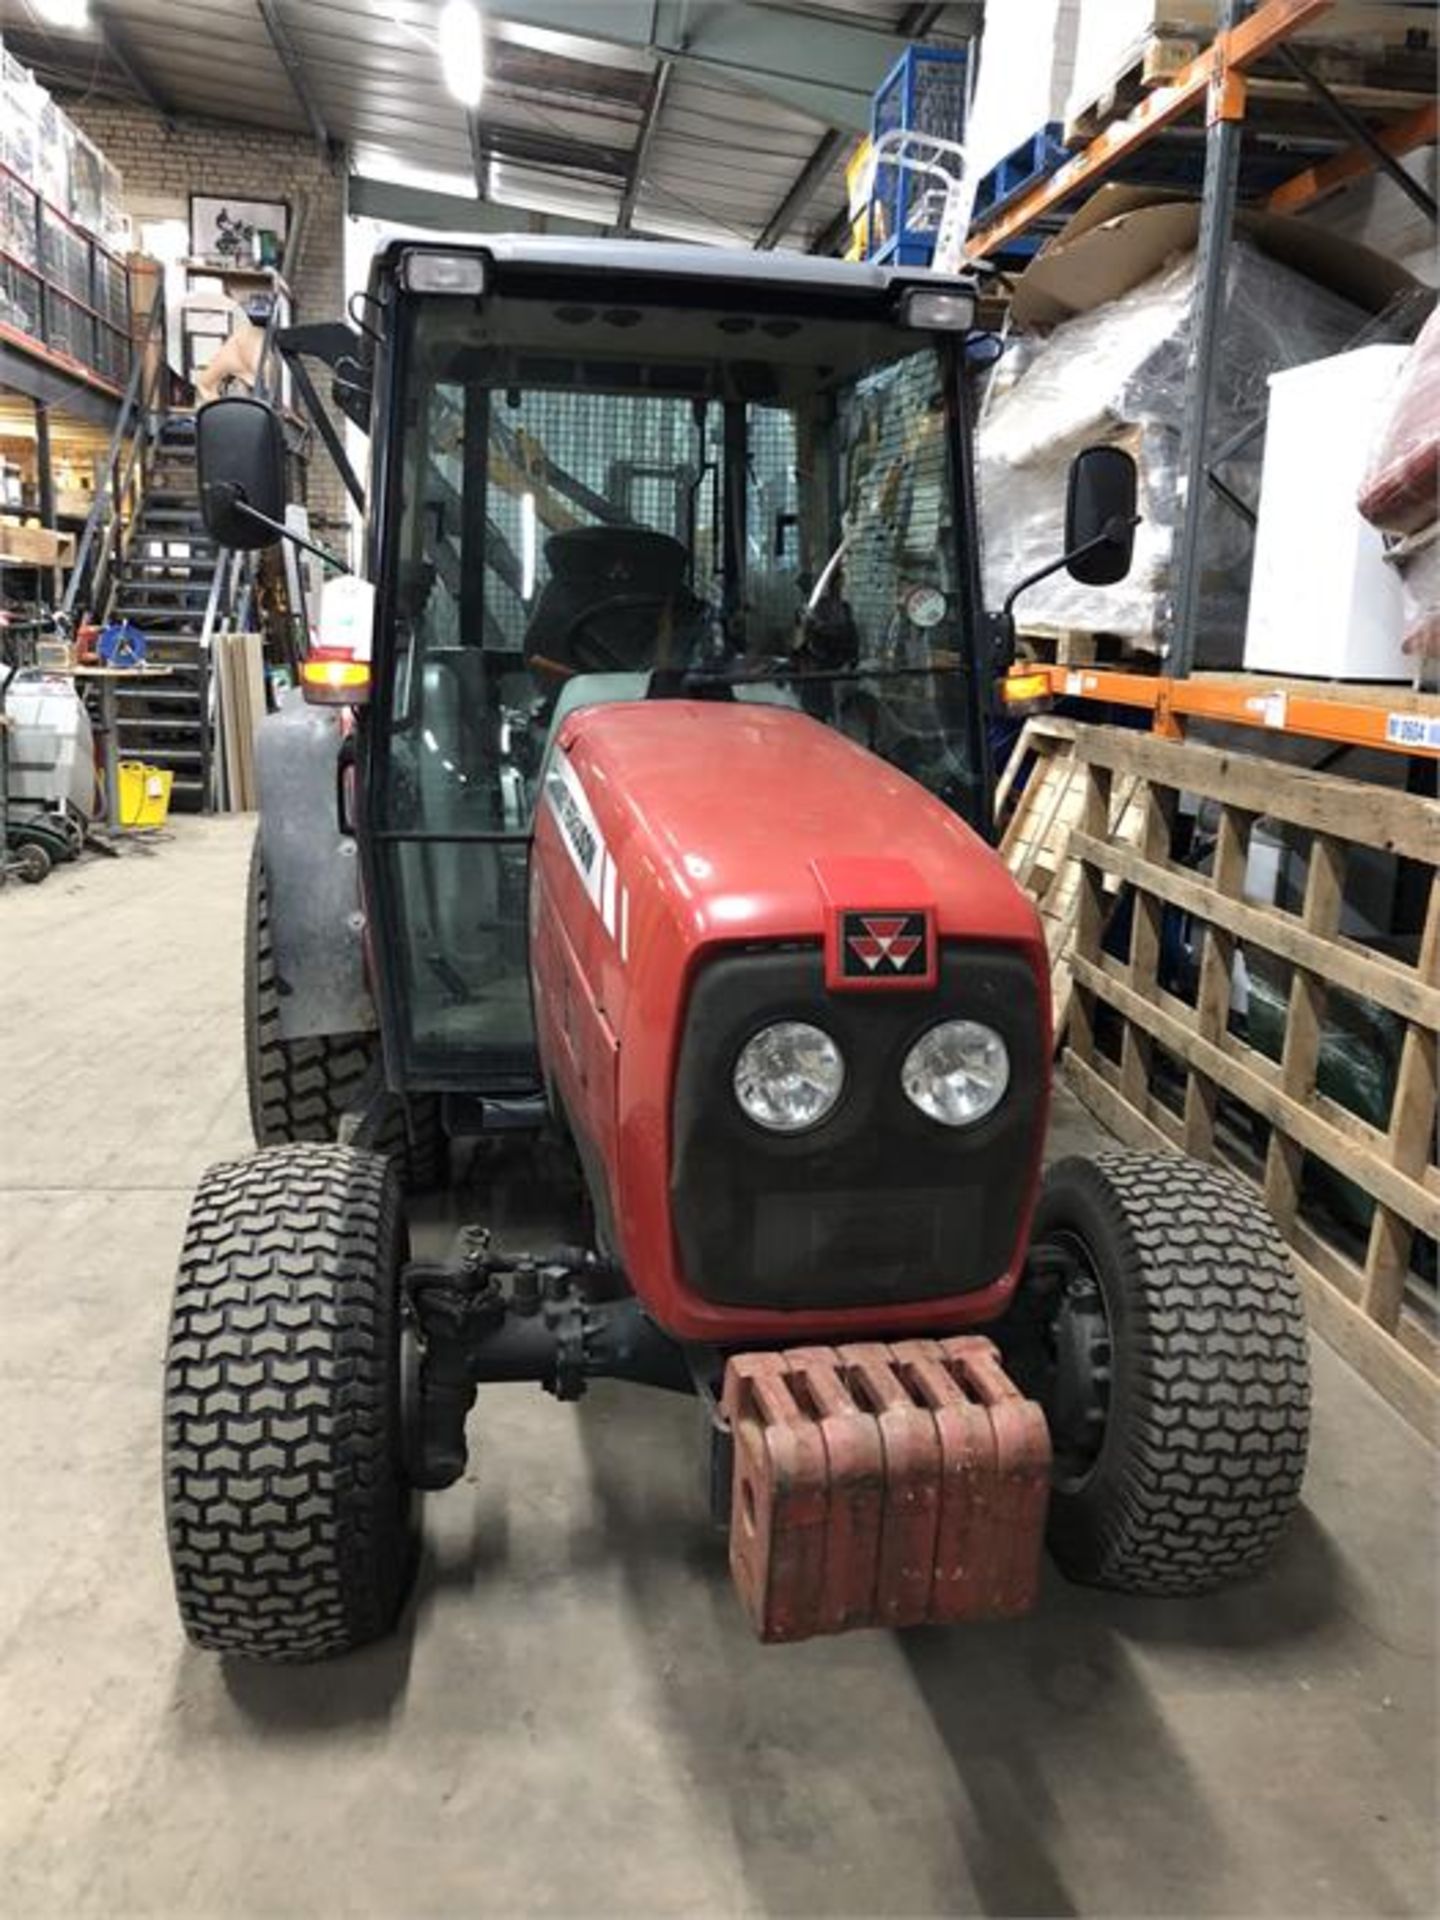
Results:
[118, 45]
[807, 184]
[1351, 124]
[479, 155]
[445, 212]
[644, 140]
[827, 69]
[1207, 314]
[289, 58]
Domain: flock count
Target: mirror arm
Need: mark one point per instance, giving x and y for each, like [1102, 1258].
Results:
[285, 533]
[1113, 527]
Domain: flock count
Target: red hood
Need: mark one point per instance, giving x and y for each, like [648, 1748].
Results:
[736, 805]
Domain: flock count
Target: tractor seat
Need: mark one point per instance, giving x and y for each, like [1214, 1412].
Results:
[615, 602]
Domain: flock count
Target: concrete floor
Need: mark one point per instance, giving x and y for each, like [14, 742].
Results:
[573, 1719]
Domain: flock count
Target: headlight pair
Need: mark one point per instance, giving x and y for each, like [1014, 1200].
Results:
[789, 1076]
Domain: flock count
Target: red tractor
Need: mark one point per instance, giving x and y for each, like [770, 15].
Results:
[638, 806]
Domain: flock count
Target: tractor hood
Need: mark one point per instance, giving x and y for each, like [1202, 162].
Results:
[702, 868]
[748, 822]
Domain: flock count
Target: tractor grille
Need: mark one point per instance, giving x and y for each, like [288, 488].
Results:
[877, 1205]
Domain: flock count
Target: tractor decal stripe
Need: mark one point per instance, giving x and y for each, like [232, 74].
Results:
[579, 829]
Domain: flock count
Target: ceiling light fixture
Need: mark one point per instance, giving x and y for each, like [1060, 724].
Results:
[71, 15]
[462, 51]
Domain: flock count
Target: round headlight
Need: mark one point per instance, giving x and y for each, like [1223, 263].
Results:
[789, 1076]
[957, 1072]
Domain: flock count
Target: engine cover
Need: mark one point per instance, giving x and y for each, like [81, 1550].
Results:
[682, 845]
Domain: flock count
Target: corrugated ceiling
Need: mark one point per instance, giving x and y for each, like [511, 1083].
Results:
[701, 118]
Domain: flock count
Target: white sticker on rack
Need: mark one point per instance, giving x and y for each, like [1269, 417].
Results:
[1413, 730]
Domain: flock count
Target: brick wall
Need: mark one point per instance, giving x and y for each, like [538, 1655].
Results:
[164, 162]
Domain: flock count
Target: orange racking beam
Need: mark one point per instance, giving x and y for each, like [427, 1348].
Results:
[1395, 721]
[1259, 34]
[1417, 129]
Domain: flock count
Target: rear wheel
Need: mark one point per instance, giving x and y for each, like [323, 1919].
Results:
[290, 1523]
[32, 861]
[301, 1089]
[1177, 1384]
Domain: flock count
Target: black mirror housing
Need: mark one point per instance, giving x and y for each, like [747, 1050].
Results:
[1100, 517]
[240, 457]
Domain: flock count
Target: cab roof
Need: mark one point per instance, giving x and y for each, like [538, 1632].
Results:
[548, 254]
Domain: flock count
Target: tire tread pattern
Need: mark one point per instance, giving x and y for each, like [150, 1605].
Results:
[1218, 1405]
[288, 1524]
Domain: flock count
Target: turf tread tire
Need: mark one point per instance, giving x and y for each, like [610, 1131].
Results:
[1204, 1451]
[290, 1526]
[301, 1089]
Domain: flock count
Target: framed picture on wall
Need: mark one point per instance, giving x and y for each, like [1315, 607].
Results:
[237, 233]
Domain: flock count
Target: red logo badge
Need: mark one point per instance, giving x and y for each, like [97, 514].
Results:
[884, 946]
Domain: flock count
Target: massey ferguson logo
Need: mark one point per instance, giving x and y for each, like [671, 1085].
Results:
[883, 946]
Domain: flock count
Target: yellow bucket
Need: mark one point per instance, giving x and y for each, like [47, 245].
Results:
[144, 794]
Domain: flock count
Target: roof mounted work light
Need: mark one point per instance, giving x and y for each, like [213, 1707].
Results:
[938, 309]
[458, 273]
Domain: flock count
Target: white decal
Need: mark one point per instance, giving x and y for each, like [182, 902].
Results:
[575, 817]
[580, 832]
[1413, 730]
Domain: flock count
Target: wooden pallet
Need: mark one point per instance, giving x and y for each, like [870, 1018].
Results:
[1045, 781]
[1079, 647]
[1162, 1072]
[1373, 64]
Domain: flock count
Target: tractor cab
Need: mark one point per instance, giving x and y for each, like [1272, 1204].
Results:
[654, 474]
[627, 472]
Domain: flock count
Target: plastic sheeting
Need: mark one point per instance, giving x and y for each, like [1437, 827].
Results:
[1116, 375]
[1398, 493]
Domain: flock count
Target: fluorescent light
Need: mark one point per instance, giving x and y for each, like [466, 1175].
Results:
[462, 51]
[72, 15]
[528, 543]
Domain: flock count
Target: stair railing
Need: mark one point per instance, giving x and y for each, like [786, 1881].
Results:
[108, 526]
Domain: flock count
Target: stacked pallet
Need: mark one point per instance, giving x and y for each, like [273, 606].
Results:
[1207, 1020]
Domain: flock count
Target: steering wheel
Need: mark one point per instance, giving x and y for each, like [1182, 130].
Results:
[581, 640]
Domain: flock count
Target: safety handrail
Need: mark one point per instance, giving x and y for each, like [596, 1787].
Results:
[105, 523]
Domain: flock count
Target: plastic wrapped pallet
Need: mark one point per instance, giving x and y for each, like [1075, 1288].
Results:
[1116, 375]
[1398, 493]
[1027, 60]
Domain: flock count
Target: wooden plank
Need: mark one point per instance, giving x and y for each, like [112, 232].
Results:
[1351, 810]
[1300, 1054]
[1157, 815]
[1411, 1144]
[1403, 990]
[1237, 1076]
[1403, 1380]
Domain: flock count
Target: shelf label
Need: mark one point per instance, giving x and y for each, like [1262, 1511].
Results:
[1413, 730]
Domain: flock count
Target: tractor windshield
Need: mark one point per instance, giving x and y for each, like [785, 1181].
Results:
[607, 501]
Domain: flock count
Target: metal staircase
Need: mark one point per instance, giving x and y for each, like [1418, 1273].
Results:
[163, 585]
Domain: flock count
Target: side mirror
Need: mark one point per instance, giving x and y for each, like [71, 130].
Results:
[1100, 517]
[240, 457]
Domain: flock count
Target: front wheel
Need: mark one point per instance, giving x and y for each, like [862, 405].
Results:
[1177, 1376]
[290, 1521]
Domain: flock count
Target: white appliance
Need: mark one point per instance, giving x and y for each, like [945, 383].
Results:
[52, 760]
[1324, 604]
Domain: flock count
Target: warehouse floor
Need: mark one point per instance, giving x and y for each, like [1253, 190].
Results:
[573, 1719]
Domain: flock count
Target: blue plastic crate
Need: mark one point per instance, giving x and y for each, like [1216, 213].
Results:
[926, 91]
